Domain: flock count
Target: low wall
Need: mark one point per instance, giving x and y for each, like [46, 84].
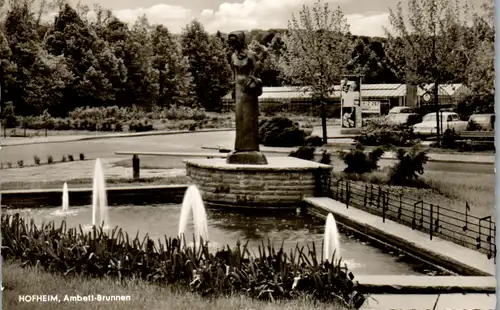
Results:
[281, 184]
[139, 195]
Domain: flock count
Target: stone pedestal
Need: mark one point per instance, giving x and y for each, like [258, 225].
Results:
[282, 183]
[247, 158]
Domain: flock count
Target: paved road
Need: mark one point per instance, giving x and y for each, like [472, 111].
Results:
[171, 143]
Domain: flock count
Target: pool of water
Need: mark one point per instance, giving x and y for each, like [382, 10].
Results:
[226, 228]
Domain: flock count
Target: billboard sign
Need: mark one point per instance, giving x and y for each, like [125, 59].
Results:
[372, 107]
[350, 98]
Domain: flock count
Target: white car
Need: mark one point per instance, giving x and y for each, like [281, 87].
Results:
[448, 120]
[400, 110]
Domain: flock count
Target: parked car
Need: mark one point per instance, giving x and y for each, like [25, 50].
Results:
[481, 122]
[448, 120]
[399, 110]
[408, 119]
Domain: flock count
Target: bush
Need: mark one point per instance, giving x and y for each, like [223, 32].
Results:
[82, 156]
[118, 127]
[36, 159]
[70, 157]
[63, 159]
[359, 162]
[449, 139]
[139, 127]
[271, 274]
[326, 158]
[9, 119]
[20, 163]
[50, 159]
[379, 133]
[314, 141]
[281, 132]
[473, 126]
[303, 152]
[9, 164]
[409, 166]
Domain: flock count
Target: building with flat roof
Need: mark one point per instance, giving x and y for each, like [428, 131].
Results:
[374, 97]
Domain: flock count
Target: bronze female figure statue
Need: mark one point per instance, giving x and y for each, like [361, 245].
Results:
[247, 89]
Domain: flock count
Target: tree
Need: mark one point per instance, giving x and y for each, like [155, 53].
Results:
[175, 80]
[208, 65]
[142, 79]
[8, 70]
[368, 60]
[34, 80]
[480, 74]
[318, 49]
[267, 72]
[430, 41]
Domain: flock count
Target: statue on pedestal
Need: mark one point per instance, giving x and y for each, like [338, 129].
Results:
[247, 89]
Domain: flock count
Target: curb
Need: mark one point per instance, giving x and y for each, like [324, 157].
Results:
[127, 135]
[386, 157]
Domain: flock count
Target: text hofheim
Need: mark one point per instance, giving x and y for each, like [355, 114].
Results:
[72, 298]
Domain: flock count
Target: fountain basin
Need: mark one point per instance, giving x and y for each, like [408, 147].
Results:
[225, 228]
[282, 183]
[137, 195]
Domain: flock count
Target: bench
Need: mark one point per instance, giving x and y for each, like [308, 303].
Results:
[136, 162]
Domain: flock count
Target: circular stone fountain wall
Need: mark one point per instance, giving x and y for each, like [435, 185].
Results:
[282, 183]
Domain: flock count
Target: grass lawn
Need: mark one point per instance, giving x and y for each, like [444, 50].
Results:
[447, 189]
[29, 281]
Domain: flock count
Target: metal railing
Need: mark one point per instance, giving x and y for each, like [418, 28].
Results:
[459, 227]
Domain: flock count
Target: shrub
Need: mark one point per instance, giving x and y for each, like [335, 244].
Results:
[63, 159]
[50, 159]
[70, 157]
[359, 162]
[20, 163]
[379, 133]
[281, 132]
[9, 164]
[107, 124]
[473, 126]
[139, 127]
[118, 127]
[9, 119]
[449, 139]
[314, 141]
[36, 159]
[271, 274]
[409, 166]
[1, 166]
[82, 156]
[326, 158]
[303, 152]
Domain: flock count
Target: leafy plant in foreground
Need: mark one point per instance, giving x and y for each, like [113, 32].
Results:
[269, 275]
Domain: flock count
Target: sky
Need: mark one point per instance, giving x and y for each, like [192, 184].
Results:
[366, 17]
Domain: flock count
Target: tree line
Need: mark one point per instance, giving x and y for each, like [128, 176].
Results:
[74, 62]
